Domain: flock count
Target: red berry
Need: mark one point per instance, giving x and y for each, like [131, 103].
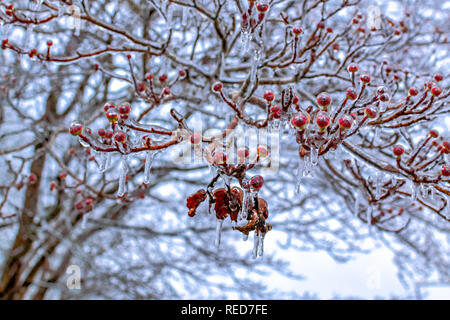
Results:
[413, 91]
[71, 151]
[52, 186]
[141, 86]
[166, 91]
[112, 115]
[269, 96]
[295, 100]
[352, 67]
[256, 182]
[128, 56]
[220, 157]
[109, 134]
[446, 146]
[355, 21]
[101, 132]
[297, 31]
[398, 151]
[275, 112]
[370, 112]
[79, 205]
[445, 171]
[49, 43]
[330, 30]
[120, 137]
[32, 53]
[163, 78]
[182, 73]
[324, 100]
[217, 87]
[243, 152]
[299, 121]
[76, 128]
[438, 77]
[384, 97]
[149, 76]
[124, 108]
[351, 94]
[88, 201]
[321, 25]
[345, 122]
[108, 106]
[434, 133]
[196, 138]
[436, 91]
[63, 175]
[262, 151]
[365, 78]
[262, 7]
[32, 178]
[322, 121]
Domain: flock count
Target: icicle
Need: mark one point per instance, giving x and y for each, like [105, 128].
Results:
[245, 40]
[300, 169]
[314, 155]
[432, 192]
[255, 246]
[103, 161]
[61, 9]
[148, 166]
[423, 191]
[184, 18]
[244, 237]
[83, 221]
[307, 166]
[356, 209]
[123, 177]
[378, 185]
[28, 33]
[255, 61]
[414, 191]
[447, 208]
[245, 202]
[369, 215]
[219, 225]
[376, 134]
[261, 245]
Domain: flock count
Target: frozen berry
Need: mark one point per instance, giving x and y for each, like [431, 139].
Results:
[269, 96]
[195, 138]
[322, 121]
[256, 182]
[445, 171]
[398, 151]
[345, 122]
[120, 137]
[76, 128]
[324, 100]
[217, 87]
[352, 67]
[413, 91]
[299, 121]
[262, 151]
[365, 78]
[370, 112]
[351, 94]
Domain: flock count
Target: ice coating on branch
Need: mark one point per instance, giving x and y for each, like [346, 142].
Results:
[414, 191]
[148, 165]
[123, 169]
[219, 224]
[255, 61]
